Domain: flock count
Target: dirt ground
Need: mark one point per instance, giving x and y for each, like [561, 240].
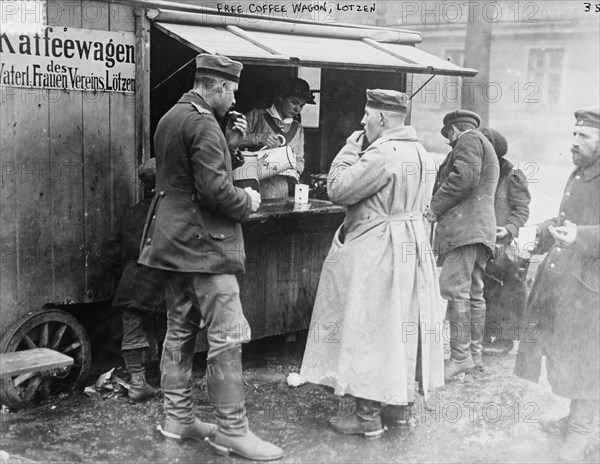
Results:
[491, 416]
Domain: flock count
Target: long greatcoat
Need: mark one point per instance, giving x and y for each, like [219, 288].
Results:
[381, 282]
[194, 222]
[564, 304]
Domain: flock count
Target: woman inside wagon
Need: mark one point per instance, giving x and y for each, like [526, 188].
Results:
[276, 126]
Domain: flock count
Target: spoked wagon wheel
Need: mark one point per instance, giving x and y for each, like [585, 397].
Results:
[54, 329]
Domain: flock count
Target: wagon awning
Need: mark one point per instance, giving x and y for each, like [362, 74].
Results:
[298, 48]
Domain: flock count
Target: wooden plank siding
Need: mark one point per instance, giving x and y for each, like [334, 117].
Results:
[69, 173]
[33, 197]
[9, 179]
[96, 172]
[123, 153]
[66, 150]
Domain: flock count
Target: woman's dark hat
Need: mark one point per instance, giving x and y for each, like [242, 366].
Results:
[297, 87]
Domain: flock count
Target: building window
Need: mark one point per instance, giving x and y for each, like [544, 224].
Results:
[545, 72]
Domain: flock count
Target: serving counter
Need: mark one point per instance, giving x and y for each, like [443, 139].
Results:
[286, 245]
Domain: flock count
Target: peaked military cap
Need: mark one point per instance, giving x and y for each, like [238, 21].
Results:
[588, 117]
[458, 116]
[219, 66]
[389, 100]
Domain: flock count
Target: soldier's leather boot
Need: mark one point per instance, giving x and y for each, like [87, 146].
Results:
[139, 389]
[180, 423]
[477, 330]
[399, 415]
[458, 315]
[365, 421]
[579, 430]
[226, 393]
[197, 430]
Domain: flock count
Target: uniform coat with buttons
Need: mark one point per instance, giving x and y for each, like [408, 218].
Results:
[194, 222]
[379, 282]
[564, 303]
[140, 287]
[464, 196]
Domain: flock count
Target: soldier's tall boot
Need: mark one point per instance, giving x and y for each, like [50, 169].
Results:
[226, 393]
[399, 415]
[579, 430]
[365, 421]
[458, 314]
[180, 422]
[477, 330]
[139, 389]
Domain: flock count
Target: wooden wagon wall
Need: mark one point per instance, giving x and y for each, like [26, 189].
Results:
[68, 173]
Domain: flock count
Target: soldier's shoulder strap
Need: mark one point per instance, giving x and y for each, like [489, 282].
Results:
[200, 109]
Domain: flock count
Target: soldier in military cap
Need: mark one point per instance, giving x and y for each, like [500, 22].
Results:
[378, 292]
[465, 236]
[193, 233]
[562, 314]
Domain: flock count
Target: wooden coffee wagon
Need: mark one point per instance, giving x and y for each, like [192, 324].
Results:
[74, 126]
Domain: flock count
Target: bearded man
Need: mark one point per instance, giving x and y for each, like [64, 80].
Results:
[564, 304]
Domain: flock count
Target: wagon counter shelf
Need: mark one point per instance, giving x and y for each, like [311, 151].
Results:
[272, 209]
[286, 244]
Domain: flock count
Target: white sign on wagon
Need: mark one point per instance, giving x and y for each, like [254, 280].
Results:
[67, 58]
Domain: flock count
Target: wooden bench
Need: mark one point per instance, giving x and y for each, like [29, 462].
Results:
[36, 359]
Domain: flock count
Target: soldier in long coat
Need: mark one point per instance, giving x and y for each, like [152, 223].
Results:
[564, 304]
[378, 296]
[193, 233]
[465, 236]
